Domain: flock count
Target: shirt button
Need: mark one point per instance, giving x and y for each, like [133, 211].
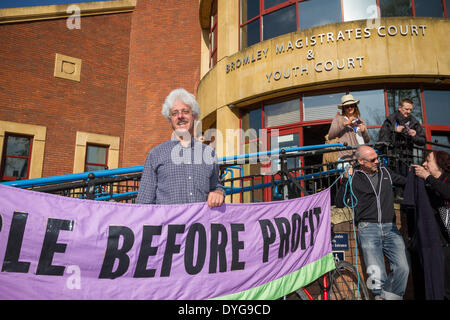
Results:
[190, 178]
[190, 193]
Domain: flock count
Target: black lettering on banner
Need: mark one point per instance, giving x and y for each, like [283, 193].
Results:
[311, 227]
[171, 247]
[195, 229]
[11, 261]
[113, 252]
[268, 233]
[317, 211]
[284, 229]
[236, 245]
[304, 230]
[146, 251]
[314, 212]
[296, 231]
[51, 246]
[217, 249]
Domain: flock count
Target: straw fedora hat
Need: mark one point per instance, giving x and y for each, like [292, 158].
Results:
[346, 100]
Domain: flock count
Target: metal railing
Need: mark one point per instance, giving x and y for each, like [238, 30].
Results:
[256, 177]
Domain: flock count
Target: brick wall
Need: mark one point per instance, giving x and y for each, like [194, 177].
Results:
[29, 93]
[164, 55]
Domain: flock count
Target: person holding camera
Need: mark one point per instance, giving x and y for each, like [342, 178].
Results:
[349, 127]
[402, 130]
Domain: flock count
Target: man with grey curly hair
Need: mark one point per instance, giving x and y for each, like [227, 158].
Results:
[182, 95]
[182, 169]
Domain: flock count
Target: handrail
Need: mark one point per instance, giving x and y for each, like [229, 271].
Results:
[278, 151]
[135, 169]
[72, 177]
[224, 161]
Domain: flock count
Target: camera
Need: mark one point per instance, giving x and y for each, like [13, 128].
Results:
[407, 127]
[356, 122]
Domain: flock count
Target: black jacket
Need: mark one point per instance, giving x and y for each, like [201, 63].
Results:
[388, 133]
[374, 203]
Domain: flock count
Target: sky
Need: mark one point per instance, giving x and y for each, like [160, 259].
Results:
[30, 3]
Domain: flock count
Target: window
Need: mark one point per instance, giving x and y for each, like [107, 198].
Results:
[252, 120]
[371, 106]
[321, 106]
[213, 36]
[396, 95]
[429, 8]
[95, 151]
[311, 13]
[441, 138]
[96, 158]
[395, 8]
[272, 3]
[437, 104]
[16, 157]
[282, 113]
[359, 9]
[279, 22]
[265, 19]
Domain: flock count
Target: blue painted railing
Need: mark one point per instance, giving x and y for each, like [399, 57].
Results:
[85, 176]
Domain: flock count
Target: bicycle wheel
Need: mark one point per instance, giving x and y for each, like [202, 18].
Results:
[344, 283]
[313, 291]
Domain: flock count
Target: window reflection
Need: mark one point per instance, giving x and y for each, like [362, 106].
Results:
[395, 8]
[279, 22]
[359, 9]
[441, 138]
[437, 104]
[429, 8]
[16, 167]
[396, 95]
[249, 9]
[312, 13]
[250, 34]
[272, 3]
[321, 106]
[281, 113]
[371, 106]
[373, 133]
[17, 146]
[252, 120]
[96, 154]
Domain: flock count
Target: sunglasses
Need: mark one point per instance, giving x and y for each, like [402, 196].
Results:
[371, 160]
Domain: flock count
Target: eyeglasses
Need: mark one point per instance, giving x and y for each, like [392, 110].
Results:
[371, 160]
[184, 112]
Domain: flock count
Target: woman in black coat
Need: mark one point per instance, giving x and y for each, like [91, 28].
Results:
[436, 173]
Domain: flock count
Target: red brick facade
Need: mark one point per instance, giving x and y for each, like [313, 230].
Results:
[164, 55]
[130, 62]
[30, 94]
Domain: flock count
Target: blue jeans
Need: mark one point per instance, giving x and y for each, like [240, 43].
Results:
[378, 240]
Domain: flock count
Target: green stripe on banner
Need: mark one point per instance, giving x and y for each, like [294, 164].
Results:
[289, 283]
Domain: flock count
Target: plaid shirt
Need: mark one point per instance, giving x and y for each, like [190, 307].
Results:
[174, 174]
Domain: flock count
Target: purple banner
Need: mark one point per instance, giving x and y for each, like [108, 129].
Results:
[54, 247]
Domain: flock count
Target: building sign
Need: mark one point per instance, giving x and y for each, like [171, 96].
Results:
[312, 65]
[340, 241]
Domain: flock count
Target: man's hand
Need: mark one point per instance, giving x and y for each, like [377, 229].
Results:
[412, 132]
[215, 198]
[399, 128]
